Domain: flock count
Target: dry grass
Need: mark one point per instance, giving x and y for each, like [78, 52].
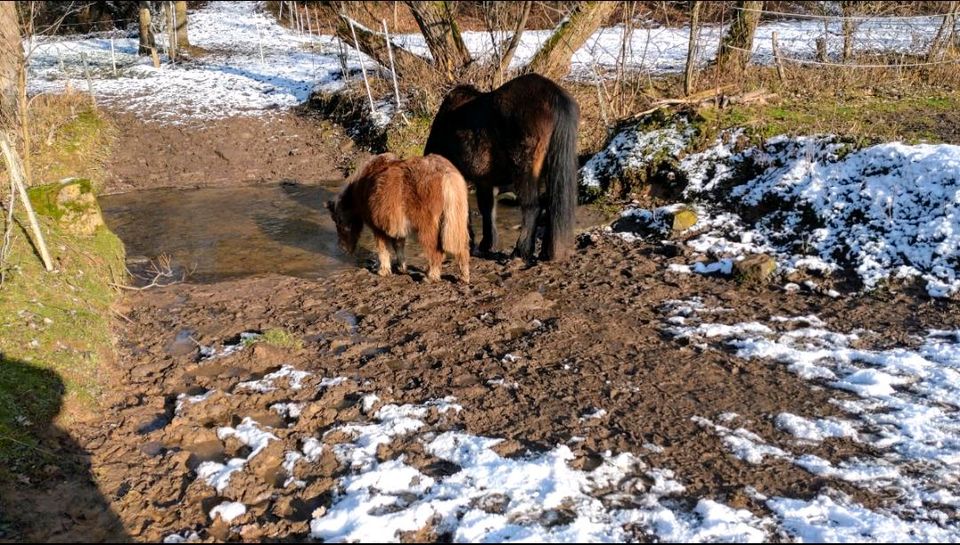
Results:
[68, 138]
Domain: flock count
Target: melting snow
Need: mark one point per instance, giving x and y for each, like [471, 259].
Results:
[231, 79]
[889, 211]
[906, 408]
[228, 510]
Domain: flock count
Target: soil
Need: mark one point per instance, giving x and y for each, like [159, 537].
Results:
[586, 333]
[232, 151]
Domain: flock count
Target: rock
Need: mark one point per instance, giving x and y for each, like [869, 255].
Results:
[755, 269]
[69, 193]
[494, 503]
[268, 463]
[71, 202]
[152, 448]
[684, 219]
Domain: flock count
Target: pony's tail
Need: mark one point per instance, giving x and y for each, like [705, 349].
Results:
[560, 170]
[454, 221]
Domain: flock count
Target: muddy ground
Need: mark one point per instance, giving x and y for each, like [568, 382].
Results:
[586, 334]
[528, 350]
[288, 145]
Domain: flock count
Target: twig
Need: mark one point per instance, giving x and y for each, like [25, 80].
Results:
[363, 68]
[7, 233]
[393, 71]
[160, 269]
[16, 177]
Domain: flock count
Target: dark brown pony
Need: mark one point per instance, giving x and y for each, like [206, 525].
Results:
[521, 134]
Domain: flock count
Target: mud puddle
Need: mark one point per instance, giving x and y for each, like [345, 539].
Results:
[217, 233]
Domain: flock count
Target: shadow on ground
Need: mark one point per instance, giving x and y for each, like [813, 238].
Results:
[47, 490]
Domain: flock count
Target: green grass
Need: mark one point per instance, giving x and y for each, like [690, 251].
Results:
[911, 119]
[281, 338]
[54, 335]
[406, 139]
[55, 326]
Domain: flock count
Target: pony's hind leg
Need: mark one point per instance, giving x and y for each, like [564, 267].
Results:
[383, 255]
[463, 262]
[429, 239]
[399, 249]
[528, 193]
[487, 203]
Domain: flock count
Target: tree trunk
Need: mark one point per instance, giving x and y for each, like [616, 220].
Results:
[374, 46]
[553, 58]
[180, 9]
[511, 47]
[147, 41]
[849, 27]
[738, 43]
[942, 40]
[692, 48]
[443, 38]
[11, 57]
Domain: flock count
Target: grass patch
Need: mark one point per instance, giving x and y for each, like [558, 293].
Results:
[912, 119]
[69, 138]
[406, 139]
[55, 327]
[281, 338]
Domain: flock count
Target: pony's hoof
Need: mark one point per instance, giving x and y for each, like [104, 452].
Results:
[402, 268]
[383, 272]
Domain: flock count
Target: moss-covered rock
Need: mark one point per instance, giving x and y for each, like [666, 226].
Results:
[71, 202]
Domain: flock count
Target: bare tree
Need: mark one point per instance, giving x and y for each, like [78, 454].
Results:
[148, 43]
[942, 40]
[11, 61]
[553, 58]
[514, 42]
[442, 34]
[373, 44]
[737, 44]
[180, 16]
[848, 9]
[690, 72]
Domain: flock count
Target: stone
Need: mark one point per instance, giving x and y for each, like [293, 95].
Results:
[71, 202]
[684, 219]
[754, 269]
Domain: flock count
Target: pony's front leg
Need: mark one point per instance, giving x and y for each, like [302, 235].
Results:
[399, 248]
[383, 255]
[487, 203]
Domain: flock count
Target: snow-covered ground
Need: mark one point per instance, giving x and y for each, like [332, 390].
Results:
[888, 211]
[231, 80]
[906, 408]
[234, 80]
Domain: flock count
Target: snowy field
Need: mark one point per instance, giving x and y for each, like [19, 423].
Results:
[234, 80]
[885, 212]
[905, 409]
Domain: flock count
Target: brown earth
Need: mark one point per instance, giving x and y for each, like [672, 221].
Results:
[599, 342]
[586, 333]
[225, 152]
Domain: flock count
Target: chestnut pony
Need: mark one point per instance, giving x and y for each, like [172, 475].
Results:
[426, 195]
[524, 133]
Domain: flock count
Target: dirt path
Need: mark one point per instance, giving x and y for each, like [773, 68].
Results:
[579, 355]
[225, 152]
[537, 352]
